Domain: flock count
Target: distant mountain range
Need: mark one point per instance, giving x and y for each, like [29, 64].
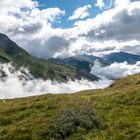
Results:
[11, 52]
[108, 59]
[85, 62]
[76, 67]
[120, 57]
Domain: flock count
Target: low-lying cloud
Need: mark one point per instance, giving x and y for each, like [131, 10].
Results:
[115, 70]
[17, 84]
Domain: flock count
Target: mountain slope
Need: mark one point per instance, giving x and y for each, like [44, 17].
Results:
[11, 52]
[117, 107]
[81, 66]
[74, 61]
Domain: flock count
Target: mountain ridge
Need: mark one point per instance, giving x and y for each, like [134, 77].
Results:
[11, 52]
[85, 62]
[121, 57]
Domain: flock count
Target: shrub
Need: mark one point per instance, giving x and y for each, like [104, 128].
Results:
[73, 119]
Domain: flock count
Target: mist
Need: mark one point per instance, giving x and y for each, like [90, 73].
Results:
[15, 84]
[20, 83]
[115, 71]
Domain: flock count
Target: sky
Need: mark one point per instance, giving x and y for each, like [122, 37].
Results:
[63, 28]
[69, 7]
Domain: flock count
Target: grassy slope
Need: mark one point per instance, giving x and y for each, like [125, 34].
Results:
[118, 108]
[40, 68]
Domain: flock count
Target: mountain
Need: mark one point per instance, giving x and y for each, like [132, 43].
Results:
[107, 114]
[74, 61]
[108, 59]
[11, 52]
[80, 64]
[89, 58]
[120, 57]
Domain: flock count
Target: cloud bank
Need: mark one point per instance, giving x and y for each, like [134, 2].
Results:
[16, 84]
[115, 70]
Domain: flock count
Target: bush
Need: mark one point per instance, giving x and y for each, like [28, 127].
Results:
[73, 119]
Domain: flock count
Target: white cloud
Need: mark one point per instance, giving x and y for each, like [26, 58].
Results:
[32, 29]
[14, 6]
[105, 4]
[17, 15]
[100, 3]
[15, 85]
[114, 24]
[121, 3]
[116, 27]
[49, 15]
[80, 13]
[30, 25]
[115, 70]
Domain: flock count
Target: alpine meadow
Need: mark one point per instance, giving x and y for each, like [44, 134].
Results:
[69, 70]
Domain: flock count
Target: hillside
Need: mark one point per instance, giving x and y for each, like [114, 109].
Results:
[11, 52]
[108, 114]
[74, 61]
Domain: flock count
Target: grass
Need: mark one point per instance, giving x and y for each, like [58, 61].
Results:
[116, 109]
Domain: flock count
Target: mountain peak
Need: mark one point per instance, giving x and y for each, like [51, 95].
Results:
[10, 47]
[3, 36]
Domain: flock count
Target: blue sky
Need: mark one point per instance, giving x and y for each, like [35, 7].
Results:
[69, 6]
